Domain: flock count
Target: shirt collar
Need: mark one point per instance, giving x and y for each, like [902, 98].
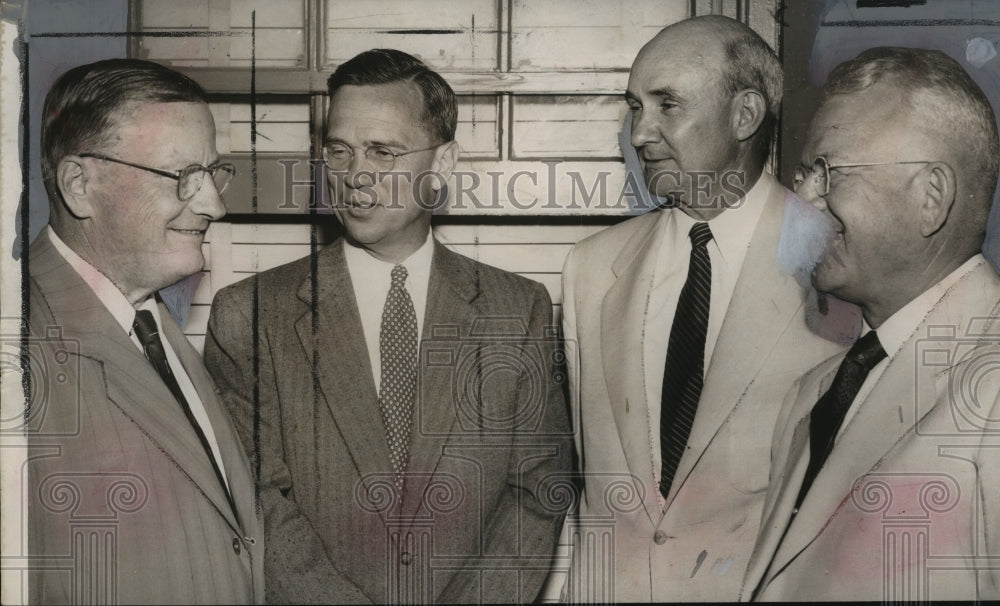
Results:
[107, 293]
[900, 326]
[733, 228]
[366, 263]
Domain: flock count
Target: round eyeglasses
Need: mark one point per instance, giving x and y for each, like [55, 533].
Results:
[189, 179]
[819, 172]
[337, 155]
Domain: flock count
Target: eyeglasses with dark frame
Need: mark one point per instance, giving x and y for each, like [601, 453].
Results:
[820, 172]
[338, 155]
[189, 179]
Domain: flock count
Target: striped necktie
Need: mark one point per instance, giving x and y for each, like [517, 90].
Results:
[683, 374]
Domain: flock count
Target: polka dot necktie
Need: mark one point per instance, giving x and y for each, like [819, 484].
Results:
[398, 353]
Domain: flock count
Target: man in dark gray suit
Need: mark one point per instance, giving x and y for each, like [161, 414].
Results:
[399, 401]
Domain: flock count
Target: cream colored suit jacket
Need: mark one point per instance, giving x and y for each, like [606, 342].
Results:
[907, 507]
[627, 548]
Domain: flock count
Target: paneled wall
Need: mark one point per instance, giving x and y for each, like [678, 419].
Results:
[540, 86]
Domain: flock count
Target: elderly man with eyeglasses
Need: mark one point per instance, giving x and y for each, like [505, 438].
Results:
[139, 491]
[886, 462]
[401, 402]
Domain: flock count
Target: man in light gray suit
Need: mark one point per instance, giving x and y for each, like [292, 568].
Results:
[139, 489]
[399, 401]
[684, 330]
[886, 462]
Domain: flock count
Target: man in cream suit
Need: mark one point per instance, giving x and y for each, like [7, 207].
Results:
[886, 461]
[139, 490]
[399, 400]
[674, 440]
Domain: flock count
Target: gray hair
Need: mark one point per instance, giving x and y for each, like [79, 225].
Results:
[949, 96]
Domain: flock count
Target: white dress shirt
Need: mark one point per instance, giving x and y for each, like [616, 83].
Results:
[372, 278]
[124, 314]
[732, 231]
[899, 328]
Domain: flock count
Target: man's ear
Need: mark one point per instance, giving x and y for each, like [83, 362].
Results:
[748, 111]
[937, 197]
[71, 179]
[445, 159]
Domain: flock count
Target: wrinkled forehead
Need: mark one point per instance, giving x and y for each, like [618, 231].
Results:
[174, 118]
[395, 108]
[171, 131]
[677, 59]
[874, 123]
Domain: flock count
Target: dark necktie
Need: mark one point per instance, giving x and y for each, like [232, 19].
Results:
[398, 354]
[149, 336]
[828, 414]
[684, 370]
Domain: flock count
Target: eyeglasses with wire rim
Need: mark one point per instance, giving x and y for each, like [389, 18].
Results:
[337, 155]
[189, 179]
[820, 172]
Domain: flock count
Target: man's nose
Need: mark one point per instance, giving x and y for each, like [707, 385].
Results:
[359, 173]
[644, 130]
[207, 201]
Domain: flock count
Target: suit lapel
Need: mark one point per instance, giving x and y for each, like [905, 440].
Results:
[450, 295]
[780, 501]
[623, 318]
[753, 323]
[331, 335]
[237, 468]
[132, 383]
[887, 415]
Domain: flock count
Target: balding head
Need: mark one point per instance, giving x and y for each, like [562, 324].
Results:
[744, 59]
[949, 111]
[705, 95]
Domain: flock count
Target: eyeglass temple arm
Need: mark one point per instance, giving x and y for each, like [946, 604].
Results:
[860, 164]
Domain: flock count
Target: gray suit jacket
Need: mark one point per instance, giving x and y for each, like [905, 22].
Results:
[906, 506]
[698, 548]
[124, 503]
[490, 430]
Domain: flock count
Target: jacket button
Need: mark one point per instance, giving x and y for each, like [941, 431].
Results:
[659, 537]
[406, 558]
[236, 546]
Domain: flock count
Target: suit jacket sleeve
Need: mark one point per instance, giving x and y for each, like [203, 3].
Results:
[296, 564]
[571, 345]
[988, 464]
[524, 522]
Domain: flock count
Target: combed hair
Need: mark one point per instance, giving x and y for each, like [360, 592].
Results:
[386, 66]
[958, 107]
[82, 107]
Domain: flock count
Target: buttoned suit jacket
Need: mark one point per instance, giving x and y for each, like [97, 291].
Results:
[124, 504]
[905, 507]
[698, 548]
[489, 428]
